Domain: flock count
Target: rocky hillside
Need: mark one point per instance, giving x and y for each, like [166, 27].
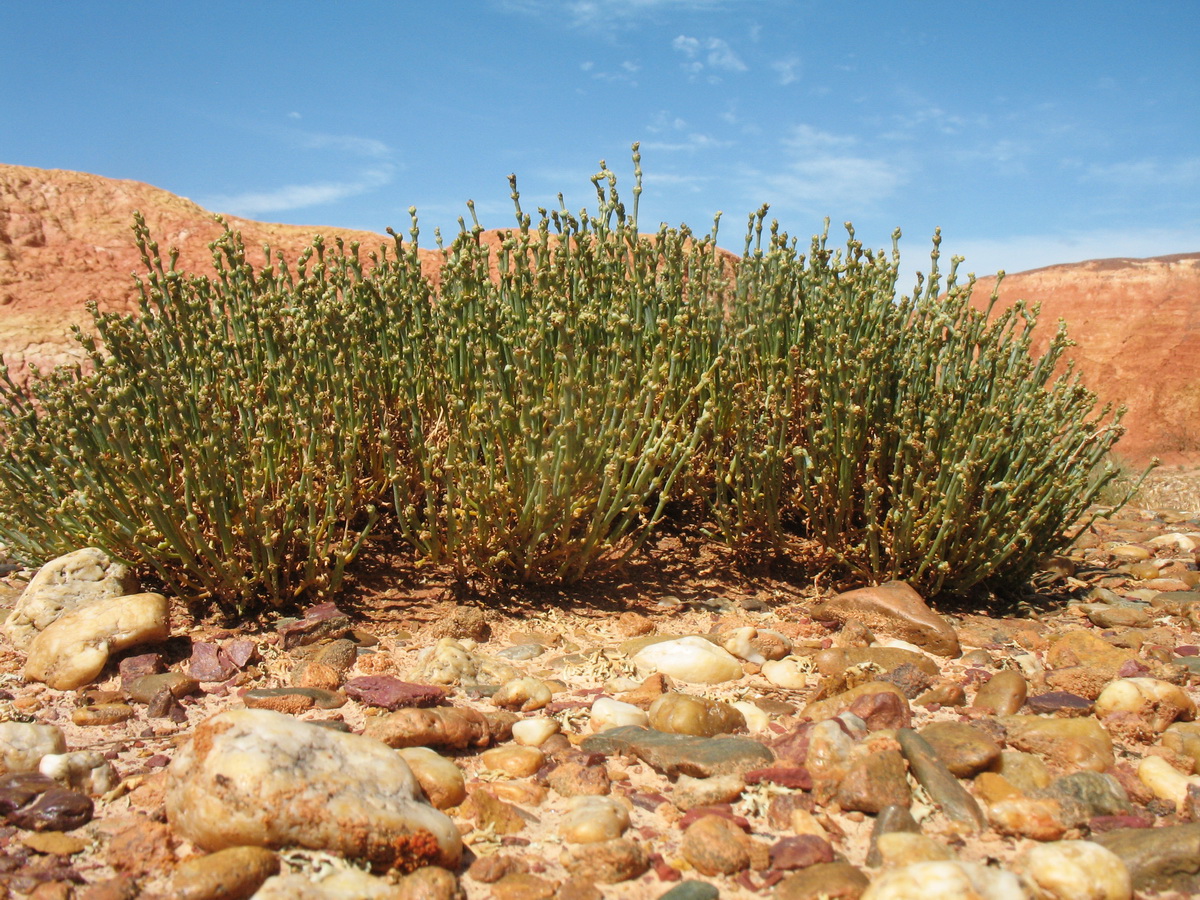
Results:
[65, 239]
[1136, 323]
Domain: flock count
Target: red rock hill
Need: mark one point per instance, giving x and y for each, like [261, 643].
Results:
[1136, 324]
[65, 239]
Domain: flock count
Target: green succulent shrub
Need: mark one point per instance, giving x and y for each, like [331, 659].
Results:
[231, 436]
[533, 410]
[916, 437]
[560, 393]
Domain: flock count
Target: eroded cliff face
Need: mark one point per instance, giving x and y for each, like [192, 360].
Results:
[1136, 324]
[65, 239]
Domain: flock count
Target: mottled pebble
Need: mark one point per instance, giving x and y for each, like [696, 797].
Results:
[1075, 870]
[683, 714]
[716, 846]
[962, 748]
[392, 693]
[232, 874]
[1005, 693]
[587, 820]
[943, 788]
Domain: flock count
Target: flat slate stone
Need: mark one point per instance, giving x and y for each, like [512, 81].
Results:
[392, 693]
[673, 754]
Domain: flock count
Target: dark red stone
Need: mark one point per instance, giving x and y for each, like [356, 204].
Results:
[797, 777]
[800, 851]
[1132, 668]
[882, 709]
[241, 651]
[1099, 824]
[792, 746]
[392, 693]
[134, 667]
[1060, 701]
[323, 622]
[210, 663]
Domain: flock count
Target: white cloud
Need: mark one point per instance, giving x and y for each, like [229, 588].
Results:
[356, 146]
[788, 69]
[826, 184]
[721, 56]
[376, 169]
[717, 55]
[804, 139]
[1153, 171]
[692, 143]
[1020, 253]
[607, 15]
[294, 115]
[688, 46]
[297, 196]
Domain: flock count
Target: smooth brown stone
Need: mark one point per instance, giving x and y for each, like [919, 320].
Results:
[963, 749]
[893, 609]
[1005, 693]
[232, 874]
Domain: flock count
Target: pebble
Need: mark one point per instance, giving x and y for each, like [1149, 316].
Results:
[391, 693]
[523, 695]
[824, 881]
[534, 732]
[440, 778]
[36, 802]
[232, 874]
[684, 714]
[946, 880]
[790, 672]
[690, 793]
[609, 713]
[672, 754]
[291, 700]
[693, 659]
[209, 662]
[449, 662]
[323, 622]
[896, 610]
[944, 789]
[1075, 870]
[800, 851]
[591, 819]
[63, 585]
[82, 770]
[714, 845]
[574, 779]
[891, 820]
[1068, 744]
[254, 777]
[874, 782]
[691, 890]
[606, 862]
[755, 645]
[23, 744]
[1165, 781]
[1156, 703]
[827, 709]
[143, 688]
[899, 848]
[962, 748]
[1040, 819]
[1158, 859]
[1005, 693]
[73, 649]
[515, 762]
[445, 728]
[1060, 703]
[101, 714]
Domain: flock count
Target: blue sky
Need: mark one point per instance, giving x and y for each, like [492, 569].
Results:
[1031, 132]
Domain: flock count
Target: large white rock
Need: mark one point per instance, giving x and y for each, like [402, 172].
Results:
[73, 649]
[1075, 870]
[345, 884]
[948, 880]
[261, 778]
[689, 659]
[23, 744]
[63, 585]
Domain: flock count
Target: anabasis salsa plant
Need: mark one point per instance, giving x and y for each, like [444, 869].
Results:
[531, 411]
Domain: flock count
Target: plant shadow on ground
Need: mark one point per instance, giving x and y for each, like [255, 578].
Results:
[388, 587]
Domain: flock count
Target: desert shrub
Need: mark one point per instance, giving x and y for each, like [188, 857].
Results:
[232, 436]
[915, 437]
[559, 390]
